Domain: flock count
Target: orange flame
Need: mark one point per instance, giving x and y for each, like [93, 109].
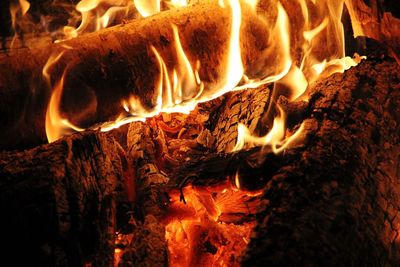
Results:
[97, 15]
[275, 137]
[17, 11]
[55, 125]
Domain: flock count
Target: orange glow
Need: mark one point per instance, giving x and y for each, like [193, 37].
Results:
[199, 233]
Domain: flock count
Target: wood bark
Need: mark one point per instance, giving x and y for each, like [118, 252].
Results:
[58, 202]
[103, 68]
[337, 202]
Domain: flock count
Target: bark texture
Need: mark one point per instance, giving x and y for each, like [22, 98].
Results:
[58, 202]
[337, 203]
[247, 107]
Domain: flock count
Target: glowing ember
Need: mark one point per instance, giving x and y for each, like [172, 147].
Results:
[199, 233]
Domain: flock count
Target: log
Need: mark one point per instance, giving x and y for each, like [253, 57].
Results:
[247, 107]
[147, 246]
[58, 202]
[105, 67]
[337, 202]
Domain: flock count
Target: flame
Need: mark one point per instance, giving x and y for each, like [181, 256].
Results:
[275, 137]
[49, 64]
[56, 126]
[97, 15]
[17, 11]
[179, 87]
[234, 67]
[281, 49]
[179, 3]
[147, 7]
[25, 5]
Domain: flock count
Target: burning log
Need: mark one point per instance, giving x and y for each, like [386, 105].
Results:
[148, 245]
[246, 107]
[101, 69]
[58, 202]
[334, 199]
[337, 203]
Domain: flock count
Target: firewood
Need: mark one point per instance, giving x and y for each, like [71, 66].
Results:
[336, 203]
[105, 67]
[247, 107]
[58, 202]
[148, 246]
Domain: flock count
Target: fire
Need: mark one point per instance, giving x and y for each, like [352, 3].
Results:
[17, 11]
[180, 89]
[97, 15]
[275, 137]
[147, 7]
[56, 126]
[203, 232]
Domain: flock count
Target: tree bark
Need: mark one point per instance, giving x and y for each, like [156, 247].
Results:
[337, 202]
[58, 202]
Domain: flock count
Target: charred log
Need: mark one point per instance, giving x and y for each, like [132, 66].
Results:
[58, 202]
[337, 203]
[147, 246]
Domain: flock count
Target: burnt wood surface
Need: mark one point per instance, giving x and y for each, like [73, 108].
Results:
[57, 202]
[336, 203]
[148, 246]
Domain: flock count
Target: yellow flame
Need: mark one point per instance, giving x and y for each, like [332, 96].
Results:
[147, 7]
[179, 3]
[97, 15]
[178, 89]
[252, 3]
[237, 180]
[50, 62]
[17, 11]
[275, 137]
[281, 45]
[234, 67]
[56, 126]
[25, 5]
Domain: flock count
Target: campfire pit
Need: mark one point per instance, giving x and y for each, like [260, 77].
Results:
[214, 133]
